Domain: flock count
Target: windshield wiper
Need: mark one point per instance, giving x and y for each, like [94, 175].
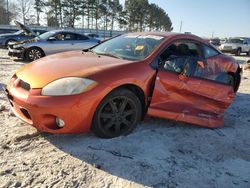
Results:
[110, 55]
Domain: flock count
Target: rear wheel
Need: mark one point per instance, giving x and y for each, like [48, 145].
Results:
[34, 53]
[118, 114]
[248, 53]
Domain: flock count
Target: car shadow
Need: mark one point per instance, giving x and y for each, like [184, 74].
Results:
[21, 61]
[158, 149]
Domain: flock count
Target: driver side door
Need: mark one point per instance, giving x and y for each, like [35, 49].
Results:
[61, 42]
[181, 94]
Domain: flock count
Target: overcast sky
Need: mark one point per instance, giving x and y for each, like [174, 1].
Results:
[224, 18]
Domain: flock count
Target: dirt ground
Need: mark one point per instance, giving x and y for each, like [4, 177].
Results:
[159, 153]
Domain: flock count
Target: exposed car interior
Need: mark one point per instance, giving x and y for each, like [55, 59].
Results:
[188, 58]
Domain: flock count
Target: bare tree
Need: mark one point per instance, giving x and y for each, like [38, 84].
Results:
[24, 7]
[8, 11]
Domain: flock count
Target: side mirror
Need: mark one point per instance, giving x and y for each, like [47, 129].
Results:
[51, 39]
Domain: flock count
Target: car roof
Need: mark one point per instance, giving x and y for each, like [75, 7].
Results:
[169, 35]
[239, 38]
[65, 31]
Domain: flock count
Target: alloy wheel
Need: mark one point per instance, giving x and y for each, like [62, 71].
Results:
[35, 54]
[117, 115]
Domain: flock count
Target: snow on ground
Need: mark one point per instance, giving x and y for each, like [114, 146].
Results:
[159, 153]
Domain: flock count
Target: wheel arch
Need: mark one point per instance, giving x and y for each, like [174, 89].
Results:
[30, 47]
[138, 91]
[8, 40]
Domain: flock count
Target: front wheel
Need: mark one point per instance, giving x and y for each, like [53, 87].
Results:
[34, 54]
[238, 52]
[118, 114]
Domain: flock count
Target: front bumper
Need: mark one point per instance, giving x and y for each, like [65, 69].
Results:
[19, 53]
[76, 111]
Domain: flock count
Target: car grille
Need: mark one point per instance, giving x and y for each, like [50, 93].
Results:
[24, 85]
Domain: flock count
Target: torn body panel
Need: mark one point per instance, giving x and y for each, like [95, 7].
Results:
[190, 100]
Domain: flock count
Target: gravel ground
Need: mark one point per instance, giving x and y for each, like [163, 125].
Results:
[159, 153]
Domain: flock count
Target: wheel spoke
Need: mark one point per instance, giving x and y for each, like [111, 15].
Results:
[128, 113]
[126, 122]
[106, 115]
[124, 104]
[113, 106]
[109, 124]
[117, 127]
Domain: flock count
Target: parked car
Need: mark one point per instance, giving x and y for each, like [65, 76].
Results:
[215, 41]
[236, 46]
[110, 88]
[23, 34]
[95, 36]
[6, 30]
[49, 43]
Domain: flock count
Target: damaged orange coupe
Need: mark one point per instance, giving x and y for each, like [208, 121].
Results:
[111, 87]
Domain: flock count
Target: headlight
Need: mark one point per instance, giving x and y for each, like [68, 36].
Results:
[18, 46]
[68, 86]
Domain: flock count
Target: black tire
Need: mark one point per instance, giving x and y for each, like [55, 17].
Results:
[248, 53]
[117, 114]
[34, 53]
[238, 52]
[9, 41]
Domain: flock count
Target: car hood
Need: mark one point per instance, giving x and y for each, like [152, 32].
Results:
[26, 29]
[68, 64]
[22, 42]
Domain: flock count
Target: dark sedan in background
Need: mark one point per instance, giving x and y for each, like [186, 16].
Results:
[24, 33]
[6, 30]
[51, 42]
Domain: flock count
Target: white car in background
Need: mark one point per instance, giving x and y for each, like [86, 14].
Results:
[236, 46]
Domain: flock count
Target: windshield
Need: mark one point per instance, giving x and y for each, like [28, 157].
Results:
[132, 47]
[46, 35]
[240, 41]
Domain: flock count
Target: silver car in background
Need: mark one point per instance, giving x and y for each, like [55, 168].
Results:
[51, 42]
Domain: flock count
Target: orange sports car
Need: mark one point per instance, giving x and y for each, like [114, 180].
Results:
[111, 87]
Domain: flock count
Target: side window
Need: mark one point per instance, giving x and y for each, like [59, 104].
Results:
[209, 52]
[212, 71]
[70, 36]
[82, 37]
[178, 54]
[59, 36]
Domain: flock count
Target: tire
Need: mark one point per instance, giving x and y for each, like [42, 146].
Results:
[117, 114]
[34, 53]
[9, 41]
[238, 52]
[248, 53]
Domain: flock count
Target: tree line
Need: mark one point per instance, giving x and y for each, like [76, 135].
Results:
[134, 15]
